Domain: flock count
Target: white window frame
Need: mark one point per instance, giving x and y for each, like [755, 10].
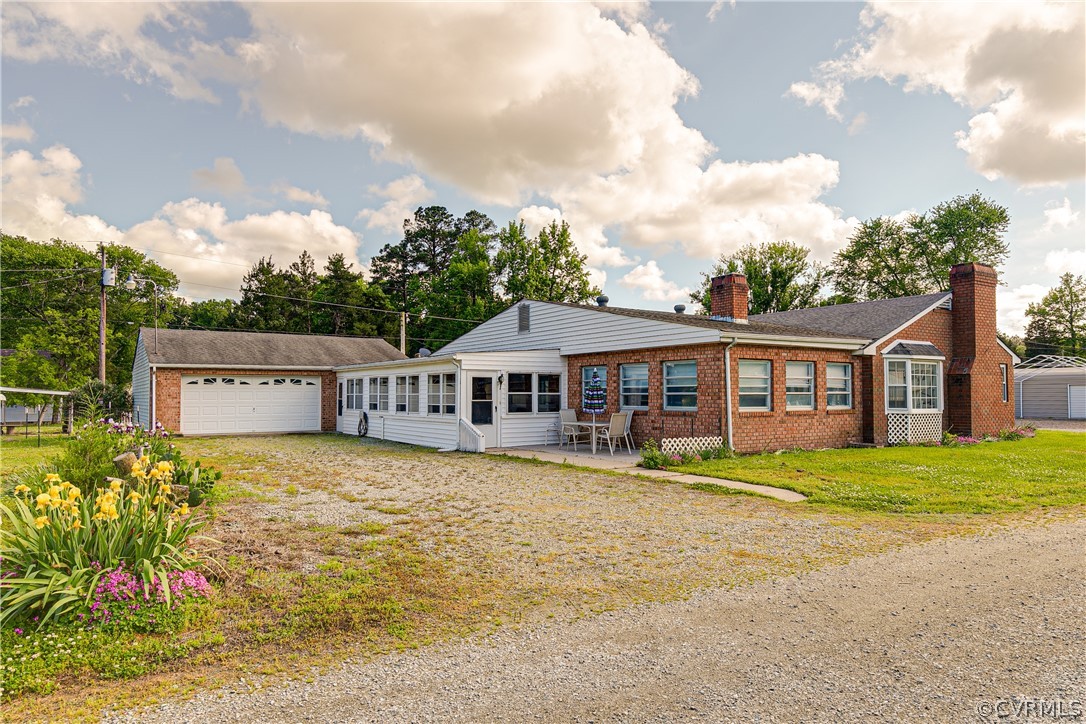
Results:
[909, 391]
[837, 391]
[530, 393]
[668, 380]
[354, 390]
[378, 401]
[768, 377]
[445, 397]
[405, 397]
[623, 390]
[1003, 373]
[535, 393]
[789, 380]
[539, 393]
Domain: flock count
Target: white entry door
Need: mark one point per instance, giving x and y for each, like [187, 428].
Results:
[218, 404]
[482, 391]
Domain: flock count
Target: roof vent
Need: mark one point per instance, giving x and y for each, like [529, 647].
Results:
[680, 308]
[423, 352]
[602, 300]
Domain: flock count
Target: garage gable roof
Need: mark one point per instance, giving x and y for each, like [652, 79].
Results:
[198, 347]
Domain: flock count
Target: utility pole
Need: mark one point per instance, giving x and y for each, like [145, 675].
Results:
[403, 333]
[108, 280]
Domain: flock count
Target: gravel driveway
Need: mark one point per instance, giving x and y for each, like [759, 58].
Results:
[929, 632]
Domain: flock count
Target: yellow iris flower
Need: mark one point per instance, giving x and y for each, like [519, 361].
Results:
[115, 486]
[52, 478]
[54, 491]
[134, 496]
[22, 489]
[77, 524]
[43, 501]
[40, 522]
[184, 509]
[165, 489]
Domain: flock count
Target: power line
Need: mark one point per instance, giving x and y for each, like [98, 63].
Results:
[40, 281]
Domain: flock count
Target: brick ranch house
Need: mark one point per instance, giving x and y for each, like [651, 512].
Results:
[878, 372]
[205, 382]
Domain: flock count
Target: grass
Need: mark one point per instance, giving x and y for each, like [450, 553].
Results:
[18, 452]
[994, 477]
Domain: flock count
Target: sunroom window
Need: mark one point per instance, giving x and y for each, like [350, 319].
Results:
[913, 385]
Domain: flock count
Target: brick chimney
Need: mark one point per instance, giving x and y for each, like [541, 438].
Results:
[974, 381]
[728, 298]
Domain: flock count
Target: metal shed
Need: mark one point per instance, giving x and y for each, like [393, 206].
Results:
[1051, 387]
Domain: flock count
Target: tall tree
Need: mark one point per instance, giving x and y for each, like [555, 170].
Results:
[263, 306]
[780, 274]
[1058, 322]
[301, 278]
[548, 268]
[887, 258]
[465, 291]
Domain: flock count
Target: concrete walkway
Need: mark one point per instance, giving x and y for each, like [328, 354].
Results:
[624, 462]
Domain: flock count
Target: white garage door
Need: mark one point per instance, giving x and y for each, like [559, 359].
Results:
[1076, 402]
[249, 403]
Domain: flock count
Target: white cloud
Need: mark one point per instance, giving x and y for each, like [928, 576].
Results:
[717, 6]
[404, 196]
[200, 242]
[561, 104]
[22, 102]
[1062, 261]
[649, 280]
[37, 192]
[1011, 306]
[122, 37]
[537, 217]
[1020, 66]
[223, 177]
[20, 132]
[301, 196]
[858, 123]
[1058, 218]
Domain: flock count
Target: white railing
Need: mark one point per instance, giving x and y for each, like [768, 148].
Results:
[471, 439]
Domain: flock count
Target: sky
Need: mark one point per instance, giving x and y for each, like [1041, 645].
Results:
[209, 135]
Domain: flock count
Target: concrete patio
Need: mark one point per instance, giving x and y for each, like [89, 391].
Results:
[626, 462]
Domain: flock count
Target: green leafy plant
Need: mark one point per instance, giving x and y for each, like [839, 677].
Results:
[651, 456]
[57, 543]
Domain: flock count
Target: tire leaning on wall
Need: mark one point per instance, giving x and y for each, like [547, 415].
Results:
[363, 424]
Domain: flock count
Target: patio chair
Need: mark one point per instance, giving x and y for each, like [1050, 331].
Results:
[571, 430]
[629, 436]
[615, 430]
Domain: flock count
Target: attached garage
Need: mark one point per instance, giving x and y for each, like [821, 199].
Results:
[199, 382]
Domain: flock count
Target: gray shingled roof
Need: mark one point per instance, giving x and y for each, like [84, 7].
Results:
[701, 320]
[914, 349]
[262, 349]
[872, 320]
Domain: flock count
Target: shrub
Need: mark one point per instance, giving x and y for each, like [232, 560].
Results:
[58, 543]
[651, 457]
[95, 398]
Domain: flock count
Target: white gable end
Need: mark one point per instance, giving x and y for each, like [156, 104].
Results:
[573, 330]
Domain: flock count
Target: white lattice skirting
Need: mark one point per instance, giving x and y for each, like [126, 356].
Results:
[913, 427]
[689, 445]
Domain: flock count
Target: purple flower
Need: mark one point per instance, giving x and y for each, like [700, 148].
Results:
[18, 632]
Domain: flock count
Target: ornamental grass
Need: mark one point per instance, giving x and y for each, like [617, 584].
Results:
[59, 541]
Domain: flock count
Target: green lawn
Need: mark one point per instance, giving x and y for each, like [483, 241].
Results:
[17, 451]
[1048, 470]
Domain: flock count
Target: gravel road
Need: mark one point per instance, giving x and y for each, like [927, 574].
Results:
[924, 632]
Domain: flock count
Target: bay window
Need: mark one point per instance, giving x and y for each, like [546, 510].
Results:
[913, 385]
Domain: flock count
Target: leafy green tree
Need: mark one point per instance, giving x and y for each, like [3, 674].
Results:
[50, 302]
[301, 278]
[780, 274]
[1058, 322]
[548, 268]
[465, 291]
[263, 307]
[208, 314]
[350, 304]
[887, 258]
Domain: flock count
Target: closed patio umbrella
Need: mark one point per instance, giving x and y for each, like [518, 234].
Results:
[594, 397]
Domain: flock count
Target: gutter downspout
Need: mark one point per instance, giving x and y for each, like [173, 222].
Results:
[728, 391]
[153, 405]
[459, 407]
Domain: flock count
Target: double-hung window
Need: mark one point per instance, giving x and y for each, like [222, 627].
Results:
[407, 393]
[681, 385]
[755, 384]
[1003, 380]
[379, 394]
[913, 385]
[441, 394]
[543, 396]
[354, 394]
[520, 392]
[799, 385]
[838, 385]
[634, 386]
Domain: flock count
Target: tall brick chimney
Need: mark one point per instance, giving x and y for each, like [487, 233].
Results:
[975, 390]
[728, 297]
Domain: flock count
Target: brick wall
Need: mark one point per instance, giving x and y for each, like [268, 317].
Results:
[168, 392]
[781, 428]
[754, 431]
[658, 423]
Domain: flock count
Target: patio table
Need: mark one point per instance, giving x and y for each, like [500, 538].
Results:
[592, 427]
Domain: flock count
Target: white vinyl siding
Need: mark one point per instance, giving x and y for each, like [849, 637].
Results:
[799, 385]
[755, 385]
[838, 385]
[634, 386]
[681, 385]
